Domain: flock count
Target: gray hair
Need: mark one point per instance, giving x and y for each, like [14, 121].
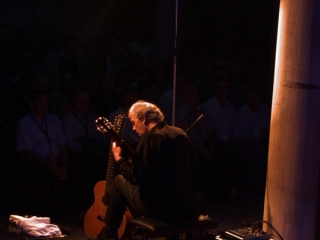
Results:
[150, 111]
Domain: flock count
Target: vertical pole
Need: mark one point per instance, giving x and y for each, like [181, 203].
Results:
[175, 65]
[293, 164]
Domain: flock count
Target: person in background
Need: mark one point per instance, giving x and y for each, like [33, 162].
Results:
[194, 119]
[87, 149]
[231, 146]
[106, 100]
[42, 145]
[254, 125]
[129, 95]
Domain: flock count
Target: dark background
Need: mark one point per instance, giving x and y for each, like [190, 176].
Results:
[223, 29]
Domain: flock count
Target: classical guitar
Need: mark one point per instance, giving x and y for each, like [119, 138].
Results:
[93, 221]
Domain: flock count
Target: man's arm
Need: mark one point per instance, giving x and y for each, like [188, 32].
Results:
[30, 155]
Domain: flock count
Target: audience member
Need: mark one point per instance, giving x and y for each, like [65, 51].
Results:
[128, 97]
[193, 118]
[59, 100]
[230, 148]
[98, 63]
[205, 80]
[254, 115]
[87, 148]
[143, 47]
[200, 66]
[237, 81]
[117, 58]
[125, 77]
[42, 145]
[166, 99]
[160, 79]
[8, 65]
[16, 94]
[73, 51]
[46, 60]
[254, 124]
[29, 72]
[96, 68]
[146, 93]
[106, 100]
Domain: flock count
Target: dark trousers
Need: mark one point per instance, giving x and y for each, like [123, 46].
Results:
[123, 194]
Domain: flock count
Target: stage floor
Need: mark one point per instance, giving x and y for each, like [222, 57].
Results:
[227, 216]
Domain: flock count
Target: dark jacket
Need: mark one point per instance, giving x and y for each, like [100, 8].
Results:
[163, 168]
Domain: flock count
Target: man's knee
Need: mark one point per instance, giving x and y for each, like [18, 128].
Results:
[118, 181]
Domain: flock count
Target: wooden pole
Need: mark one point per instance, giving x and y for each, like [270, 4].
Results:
[293, 164]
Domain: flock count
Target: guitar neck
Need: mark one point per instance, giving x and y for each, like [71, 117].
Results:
[110, 171]
[105, 126]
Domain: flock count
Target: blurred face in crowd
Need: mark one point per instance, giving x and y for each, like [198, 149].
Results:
[81, 103]
[254, 98]
[128, 99]
[222, 90]
[189, 95]
[40, 105]
[107, 83]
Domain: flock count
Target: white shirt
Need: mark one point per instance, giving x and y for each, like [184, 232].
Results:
[32, 134]
[199, 131]
[146, 51]
[80, 126]
[250, 122]
[224, 119]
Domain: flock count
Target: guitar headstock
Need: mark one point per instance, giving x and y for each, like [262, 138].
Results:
[105, 126]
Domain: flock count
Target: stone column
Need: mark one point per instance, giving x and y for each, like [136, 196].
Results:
[294, 156]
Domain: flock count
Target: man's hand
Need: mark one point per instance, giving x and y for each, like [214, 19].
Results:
[116, 149]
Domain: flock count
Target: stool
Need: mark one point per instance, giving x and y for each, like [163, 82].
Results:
[153, 228]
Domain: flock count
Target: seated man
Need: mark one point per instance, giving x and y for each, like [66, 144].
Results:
[231, 146]
[194, 119]
[157, 181]
[42, 145]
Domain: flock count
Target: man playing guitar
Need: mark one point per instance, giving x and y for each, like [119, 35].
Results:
[157, 180]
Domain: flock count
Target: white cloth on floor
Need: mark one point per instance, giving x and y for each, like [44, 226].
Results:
[36, 226]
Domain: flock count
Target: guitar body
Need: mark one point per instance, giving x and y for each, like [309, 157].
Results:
[93, 221]
[94, 218]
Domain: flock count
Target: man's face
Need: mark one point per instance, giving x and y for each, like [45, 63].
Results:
[138, 125]
[222, 89]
